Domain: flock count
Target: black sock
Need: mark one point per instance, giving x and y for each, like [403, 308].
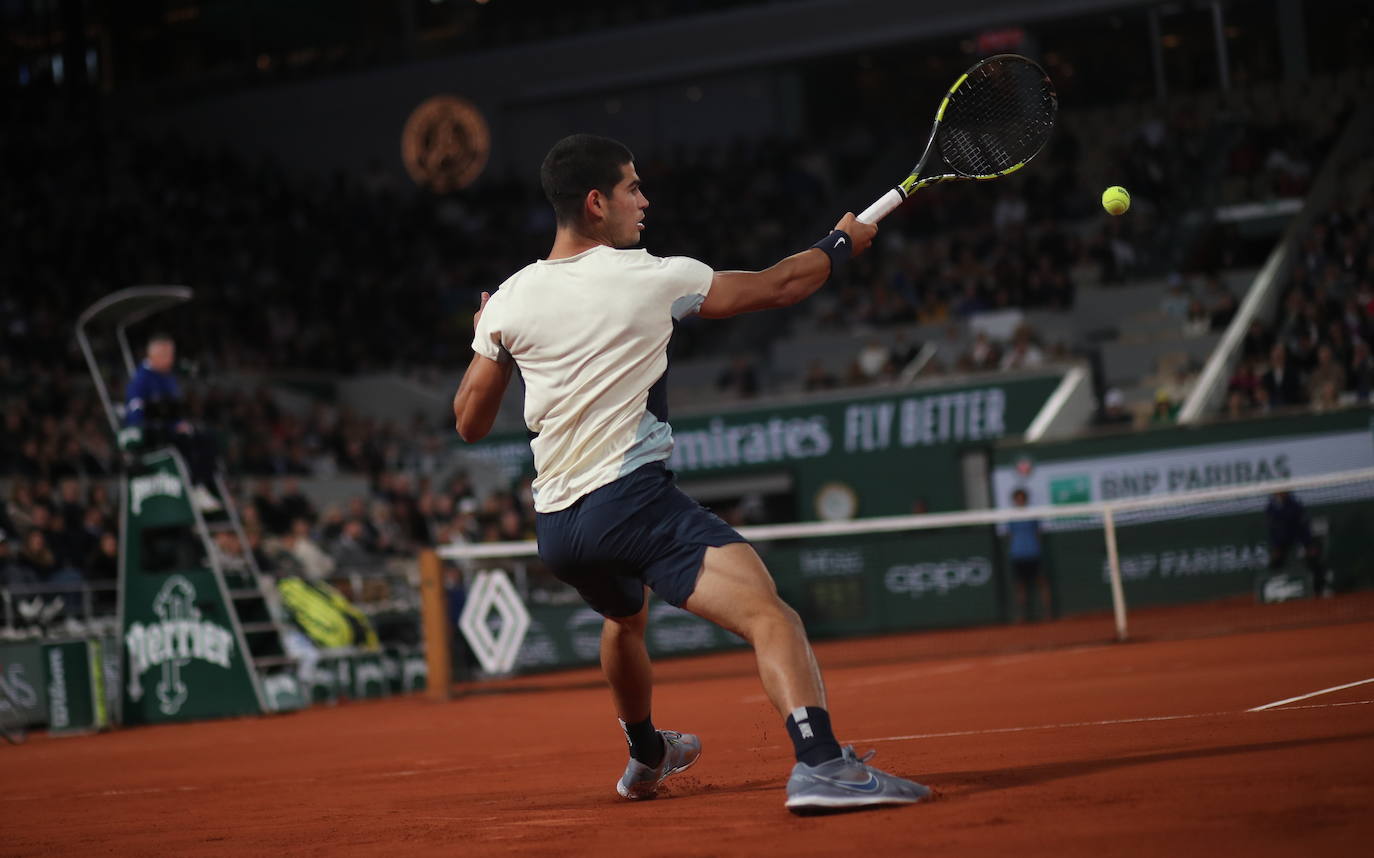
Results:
[812, 739]
[645, 743]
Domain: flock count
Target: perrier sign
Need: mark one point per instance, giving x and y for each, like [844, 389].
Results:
[184, 655]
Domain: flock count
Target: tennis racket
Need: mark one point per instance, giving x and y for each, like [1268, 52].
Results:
[992, 122]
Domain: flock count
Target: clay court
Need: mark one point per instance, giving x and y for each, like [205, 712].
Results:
[1041, 740]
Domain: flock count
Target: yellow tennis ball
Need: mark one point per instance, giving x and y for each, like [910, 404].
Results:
[1115, 200]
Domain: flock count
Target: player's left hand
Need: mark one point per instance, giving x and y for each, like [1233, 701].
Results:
[477, 317]
[183, 427]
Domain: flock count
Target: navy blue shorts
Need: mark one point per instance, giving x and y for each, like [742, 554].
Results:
[640, 529]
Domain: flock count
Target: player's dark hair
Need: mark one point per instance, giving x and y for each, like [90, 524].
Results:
[160, 337]
[574, 166]
[1020, 493]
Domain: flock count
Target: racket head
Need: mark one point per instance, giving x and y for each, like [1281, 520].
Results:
[996, 117]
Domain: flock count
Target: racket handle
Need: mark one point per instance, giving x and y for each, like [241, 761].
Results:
[883, 207]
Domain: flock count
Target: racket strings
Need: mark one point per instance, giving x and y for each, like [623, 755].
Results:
[998, 118]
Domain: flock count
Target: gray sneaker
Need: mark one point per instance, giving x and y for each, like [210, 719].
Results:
[846, 783]
[680, 751]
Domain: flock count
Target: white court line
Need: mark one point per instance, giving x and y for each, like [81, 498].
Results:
[900, 676]
[924, 671]
[903, 675]
[990, 730]
[1074, 724]
[1313, 694]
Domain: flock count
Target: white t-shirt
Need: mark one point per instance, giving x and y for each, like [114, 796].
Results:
[590, 336]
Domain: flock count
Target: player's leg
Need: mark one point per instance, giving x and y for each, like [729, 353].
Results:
[624, 603]
[592, 547]
[625, 661]
[735, 591]
[654, 754]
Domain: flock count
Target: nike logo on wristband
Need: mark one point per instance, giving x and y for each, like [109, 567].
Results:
[839, 241]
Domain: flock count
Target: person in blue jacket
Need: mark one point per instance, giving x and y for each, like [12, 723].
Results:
[1290, 528]
[1023, 550]
[154, 416]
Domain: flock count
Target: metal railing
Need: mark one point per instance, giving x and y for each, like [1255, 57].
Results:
[80, 602]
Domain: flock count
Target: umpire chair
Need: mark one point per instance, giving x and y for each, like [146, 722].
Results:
[201, 631]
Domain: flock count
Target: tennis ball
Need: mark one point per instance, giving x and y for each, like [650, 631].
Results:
[1115, 200]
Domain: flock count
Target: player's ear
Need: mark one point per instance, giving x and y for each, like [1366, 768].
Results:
[595, 205]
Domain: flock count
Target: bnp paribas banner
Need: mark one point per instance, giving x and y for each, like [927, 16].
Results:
[1197, 558]
[860, 456]
[1186, 469]
[1204, 551]
[185, 656]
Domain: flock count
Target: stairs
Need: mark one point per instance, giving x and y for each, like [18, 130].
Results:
[253, 599]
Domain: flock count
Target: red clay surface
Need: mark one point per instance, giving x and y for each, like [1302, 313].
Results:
[1041, 740]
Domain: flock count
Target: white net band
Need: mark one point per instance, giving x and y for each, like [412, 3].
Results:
[1249, 498]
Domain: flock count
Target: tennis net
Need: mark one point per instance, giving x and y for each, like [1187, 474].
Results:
[1202, 558]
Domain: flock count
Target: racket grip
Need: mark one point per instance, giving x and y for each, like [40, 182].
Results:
[883, 207]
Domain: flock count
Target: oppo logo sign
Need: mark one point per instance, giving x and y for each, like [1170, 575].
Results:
[939, 577]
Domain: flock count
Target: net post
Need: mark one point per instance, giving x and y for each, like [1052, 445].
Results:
[438, 635]
[1114, 573]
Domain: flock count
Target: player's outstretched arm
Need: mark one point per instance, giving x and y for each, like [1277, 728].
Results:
[784, 284]
[478, 400]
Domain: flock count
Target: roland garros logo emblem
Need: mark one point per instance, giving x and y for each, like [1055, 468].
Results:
[445, 144]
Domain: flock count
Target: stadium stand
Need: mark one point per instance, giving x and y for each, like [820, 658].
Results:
[1002, 344]
[1324, 322]
[939, 259]
[1145, 301]
[961, 282]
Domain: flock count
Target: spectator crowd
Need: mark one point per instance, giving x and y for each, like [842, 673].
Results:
[287, 268]
[59, 538]
[1316, 351]
[54, 428]
[57, 535]
[286, 265]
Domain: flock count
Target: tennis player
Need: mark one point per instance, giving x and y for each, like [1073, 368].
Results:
[589, 329]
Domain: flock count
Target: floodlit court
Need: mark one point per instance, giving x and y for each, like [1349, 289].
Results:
[725, 428]
[1227, 728]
